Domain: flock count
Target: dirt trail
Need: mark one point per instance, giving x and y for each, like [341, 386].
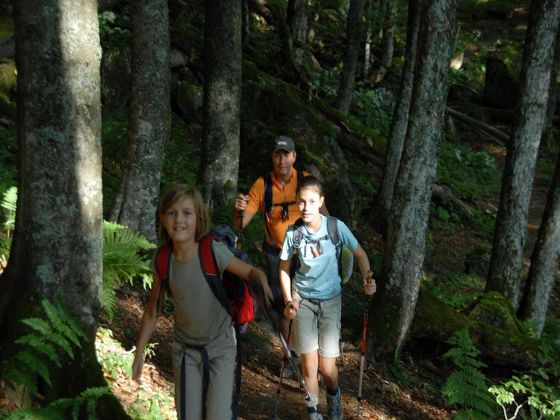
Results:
[383, 398]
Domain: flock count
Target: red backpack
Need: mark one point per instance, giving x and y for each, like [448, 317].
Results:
[232, 291]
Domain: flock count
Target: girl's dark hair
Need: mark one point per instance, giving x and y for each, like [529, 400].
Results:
[176, 193]
[309, 181]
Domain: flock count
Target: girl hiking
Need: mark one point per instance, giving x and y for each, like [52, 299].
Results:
[314, 304]
[204, 343]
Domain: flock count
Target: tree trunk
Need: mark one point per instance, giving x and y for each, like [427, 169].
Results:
[511, 221]
[552, 97]
[346, 86]
[57, 248]
[399, 123]
[388, 40]
[150, 113]
[368, 38]
[298, 23]
[544, 261]
[222, 97]
[395, 301]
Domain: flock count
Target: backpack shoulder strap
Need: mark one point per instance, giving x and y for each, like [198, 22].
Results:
[267, 194]
[332, 230]
[210, 270]
[163, 263]
[299, 178]
[163, 260]
[298, 233]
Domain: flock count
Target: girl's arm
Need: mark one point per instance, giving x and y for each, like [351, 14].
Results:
[290, 307]
[248, 272]
[367, 274]
[149, 319]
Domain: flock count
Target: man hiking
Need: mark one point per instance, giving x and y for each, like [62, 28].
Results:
[274, 196]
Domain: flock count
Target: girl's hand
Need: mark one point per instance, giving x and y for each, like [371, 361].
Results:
[369, 284]
[137, 366]
[290, 310]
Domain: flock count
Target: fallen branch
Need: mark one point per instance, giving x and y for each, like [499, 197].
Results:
[494, 132]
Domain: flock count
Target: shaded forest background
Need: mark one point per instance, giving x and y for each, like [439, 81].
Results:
[292, 84]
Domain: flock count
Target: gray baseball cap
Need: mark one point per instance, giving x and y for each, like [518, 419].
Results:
[283, 143]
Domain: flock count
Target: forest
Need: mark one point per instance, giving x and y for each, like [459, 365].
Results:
[433, 125]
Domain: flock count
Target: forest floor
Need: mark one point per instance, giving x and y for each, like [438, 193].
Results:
[383, 396]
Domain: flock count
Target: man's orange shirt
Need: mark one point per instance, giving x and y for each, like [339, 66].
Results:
[275, 226]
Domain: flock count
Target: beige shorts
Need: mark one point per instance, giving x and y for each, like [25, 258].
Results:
[317, 327]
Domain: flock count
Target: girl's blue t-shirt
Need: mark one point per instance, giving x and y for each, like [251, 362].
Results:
[317, 276]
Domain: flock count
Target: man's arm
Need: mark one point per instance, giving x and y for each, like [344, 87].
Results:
[242, 216]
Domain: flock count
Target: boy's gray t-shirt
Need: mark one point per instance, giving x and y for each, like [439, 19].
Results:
[199, 315]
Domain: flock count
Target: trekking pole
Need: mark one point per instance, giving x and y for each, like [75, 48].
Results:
[290, 358]
[363, 354]
[281, 377]
[239, 244]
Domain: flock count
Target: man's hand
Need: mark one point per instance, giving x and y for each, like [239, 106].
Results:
[241, 203]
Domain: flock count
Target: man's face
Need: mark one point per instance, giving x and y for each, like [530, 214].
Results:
[283, 162]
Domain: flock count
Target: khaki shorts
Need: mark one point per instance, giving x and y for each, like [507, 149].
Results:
[317, 326]
[221, 354]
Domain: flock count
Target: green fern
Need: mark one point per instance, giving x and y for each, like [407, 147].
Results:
[43, 346]
[466, 387]
[123, 261]
[9, 201]
[60, 408]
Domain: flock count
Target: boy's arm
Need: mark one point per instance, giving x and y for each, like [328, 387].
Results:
[149, 319]
[365, 270]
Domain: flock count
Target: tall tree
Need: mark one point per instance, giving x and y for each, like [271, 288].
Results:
[222, 100]
[388, 42]
[544, 261]
[57, 247]
[399, 123]
[350, 63]
[527, 129]
[552, 96]
[368, 36]
[297, 18]
[150, 112]
[395, 301]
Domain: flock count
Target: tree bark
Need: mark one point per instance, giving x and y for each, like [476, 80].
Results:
[388, 40]
[528, 126]
[544, 261]
[397, 294]
[150, 113]
[368, 37]
[57, 247]
[298, 23]
[552, 96]
[348, 76]
[222, 98]
[399, 123]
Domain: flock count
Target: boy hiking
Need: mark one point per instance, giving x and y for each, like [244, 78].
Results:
[274, 196]
[314, 303]
[204, 344]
